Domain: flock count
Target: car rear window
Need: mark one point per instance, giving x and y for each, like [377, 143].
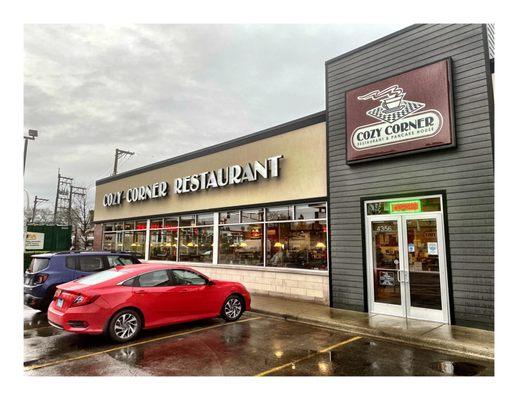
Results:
[38, 264]
[115, 260]
[100, 277]
[91, 264]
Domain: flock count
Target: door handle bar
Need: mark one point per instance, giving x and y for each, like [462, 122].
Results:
[399, 271]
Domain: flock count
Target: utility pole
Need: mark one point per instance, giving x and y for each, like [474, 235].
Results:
[33, 134]
[118, 154]
[37, 200]
[62, 193]
[74, 191]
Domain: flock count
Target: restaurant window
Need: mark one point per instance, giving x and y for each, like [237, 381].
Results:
[155, 224]
[241, 244]
[118, 226]
[205, 219]
[129, 225]
[187, 220]
[109, 227]
[310, 211]
[279, 213]
[163, 244]
[196, 244]
[171, 223]
[255, 215]
[229, 217]
[141, 225]
[119, 239]
[109, 242]
[134, 242]
[297, 245]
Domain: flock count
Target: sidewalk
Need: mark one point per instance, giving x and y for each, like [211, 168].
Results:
[430, 335]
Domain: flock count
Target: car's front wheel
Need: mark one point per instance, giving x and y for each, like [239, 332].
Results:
[125, 325]
[232, 308]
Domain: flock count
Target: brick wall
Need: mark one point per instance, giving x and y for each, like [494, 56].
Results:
[98, 237]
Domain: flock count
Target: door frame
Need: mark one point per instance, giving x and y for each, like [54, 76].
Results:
[420, 313]
[396, 310]
[442, 231]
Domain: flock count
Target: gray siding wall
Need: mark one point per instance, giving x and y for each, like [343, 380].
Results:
[465, 172]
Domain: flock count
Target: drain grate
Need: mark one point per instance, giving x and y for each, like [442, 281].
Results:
[457, 368]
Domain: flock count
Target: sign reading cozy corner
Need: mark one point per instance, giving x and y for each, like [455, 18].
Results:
[233, 175]
[402, 114]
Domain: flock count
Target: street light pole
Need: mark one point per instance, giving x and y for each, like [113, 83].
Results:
[33, 134]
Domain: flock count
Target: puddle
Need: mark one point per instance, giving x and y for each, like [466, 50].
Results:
[457, 368]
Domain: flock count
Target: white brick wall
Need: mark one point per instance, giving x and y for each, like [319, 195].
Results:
[283, 284]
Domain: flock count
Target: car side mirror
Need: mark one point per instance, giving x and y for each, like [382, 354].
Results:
[210, 283]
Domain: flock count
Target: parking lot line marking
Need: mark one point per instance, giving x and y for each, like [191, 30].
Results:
[275, 369]
[96, 353]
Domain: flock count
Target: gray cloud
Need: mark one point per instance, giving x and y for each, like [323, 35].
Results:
[163, 90]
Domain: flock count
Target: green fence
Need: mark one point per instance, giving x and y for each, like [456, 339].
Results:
[56, 238]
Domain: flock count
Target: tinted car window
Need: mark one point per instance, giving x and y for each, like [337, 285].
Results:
[113, 261]
[183, 277]
[155, 278]
[38, 264]
[91, 264]
[130, 282]
[71, 262]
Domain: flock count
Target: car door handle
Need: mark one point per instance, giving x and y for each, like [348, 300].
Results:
[140, 291]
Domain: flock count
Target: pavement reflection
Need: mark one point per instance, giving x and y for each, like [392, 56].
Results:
[254, 345]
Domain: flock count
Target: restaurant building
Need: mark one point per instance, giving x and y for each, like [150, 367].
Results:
[382, 203]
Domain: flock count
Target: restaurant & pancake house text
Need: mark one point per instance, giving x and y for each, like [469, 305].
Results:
[233, 175]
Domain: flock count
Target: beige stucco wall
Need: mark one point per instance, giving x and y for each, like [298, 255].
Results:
[302, 175]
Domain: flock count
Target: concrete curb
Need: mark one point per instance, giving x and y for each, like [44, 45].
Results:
[451, 347]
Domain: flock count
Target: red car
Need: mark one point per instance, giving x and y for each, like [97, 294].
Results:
[126, 299]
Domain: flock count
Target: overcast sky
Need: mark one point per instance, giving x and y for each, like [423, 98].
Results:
[164, 90]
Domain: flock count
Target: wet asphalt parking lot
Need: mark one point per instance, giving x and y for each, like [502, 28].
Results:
[256, 345]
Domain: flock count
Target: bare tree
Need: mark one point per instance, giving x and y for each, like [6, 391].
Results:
[82, 221]
[43, 216]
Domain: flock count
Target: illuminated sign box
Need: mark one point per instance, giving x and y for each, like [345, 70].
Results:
[403, 114]
[408, 206]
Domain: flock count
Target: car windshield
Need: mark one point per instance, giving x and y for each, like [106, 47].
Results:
[38, 264]
[100, 277]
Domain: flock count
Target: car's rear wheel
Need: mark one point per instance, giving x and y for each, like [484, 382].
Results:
[233, 308]
[125, 325]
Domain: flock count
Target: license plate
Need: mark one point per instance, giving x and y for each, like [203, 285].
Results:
[60, 303]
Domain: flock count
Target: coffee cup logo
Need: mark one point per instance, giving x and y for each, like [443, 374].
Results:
[400, 120]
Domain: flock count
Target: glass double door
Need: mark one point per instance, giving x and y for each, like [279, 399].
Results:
[407, 266]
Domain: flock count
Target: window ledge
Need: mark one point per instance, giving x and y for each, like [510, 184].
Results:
[242, 267]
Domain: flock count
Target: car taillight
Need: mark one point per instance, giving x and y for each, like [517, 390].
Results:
[40, 278]
[82, 300]
[57, 293]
